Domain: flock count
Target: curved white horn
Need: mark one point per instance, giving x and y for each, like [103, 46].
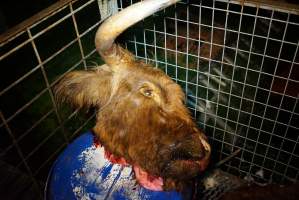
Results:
[119, 22]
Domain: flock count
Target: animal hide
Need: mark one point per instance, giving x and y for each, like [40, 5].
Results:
[141, 114]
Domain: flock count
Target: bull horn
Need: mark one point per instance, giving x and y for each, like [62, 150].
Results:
[112, 54]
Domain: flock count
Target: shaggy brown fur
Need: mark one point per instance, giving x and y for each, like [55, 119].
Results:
[141, 116]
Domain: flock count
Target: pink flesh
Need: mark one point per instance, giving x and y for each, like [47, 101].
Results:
[144, 179]
[115, 160]
[148, 181]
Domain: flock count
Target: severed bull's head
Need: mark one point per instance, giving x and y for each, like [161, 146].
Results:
[141, 115]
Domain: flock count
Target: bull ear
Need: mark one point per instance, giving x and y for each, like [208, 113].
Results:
[85, 89]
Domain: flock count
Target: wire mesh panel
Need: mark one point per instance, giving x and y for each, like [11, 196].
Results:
[238, 64]
[34, 56]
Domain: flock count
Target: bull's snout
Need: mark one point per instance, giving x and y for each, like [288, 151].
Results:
[190, 148]
[189, 157]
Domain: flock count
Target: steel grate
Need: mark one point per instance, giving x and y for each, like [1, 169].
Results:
[238, 64]
[241, 82]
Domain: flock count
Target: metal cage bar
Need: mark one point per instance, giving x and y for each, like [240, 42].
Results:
[231, 137]
[236, 60]
[13, 42]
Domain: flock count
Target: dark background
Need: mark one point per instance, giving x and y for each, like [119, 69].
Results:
[13, 12]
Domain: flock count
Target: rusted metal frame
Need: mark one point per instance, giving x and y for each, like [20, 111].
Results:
[47, 83]
[20, 153]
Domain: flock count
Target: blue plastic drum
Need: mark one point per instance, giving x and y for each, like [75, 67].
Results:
[82, 172]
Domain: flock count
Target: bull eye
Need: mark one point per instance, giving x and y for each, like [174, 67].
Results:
[146, 92]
